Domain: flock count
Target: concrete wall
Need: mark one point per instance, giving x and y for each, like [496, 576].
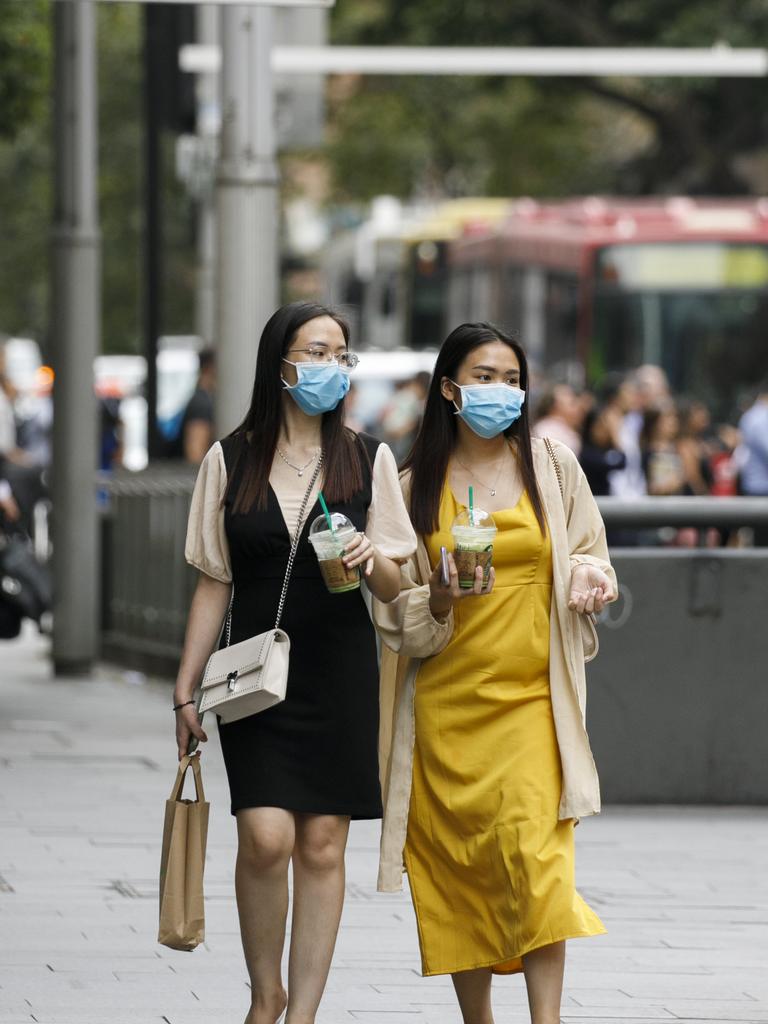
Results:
[678, 696]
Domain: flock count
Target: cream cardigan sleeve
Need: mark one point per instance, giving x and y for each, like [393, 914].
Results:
[586, 532]
[388, 525]
[406, 625]
[206, 547]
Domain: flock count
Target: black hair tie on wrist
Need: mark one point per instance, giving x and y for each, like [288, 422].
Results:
[177, 706]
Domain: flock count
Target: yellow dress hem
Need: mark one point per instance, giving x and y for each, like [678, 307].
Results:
[498, 964]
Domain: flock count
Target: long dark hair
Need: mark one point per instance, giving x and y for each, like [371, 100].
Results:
[258, 433]
[428, 459]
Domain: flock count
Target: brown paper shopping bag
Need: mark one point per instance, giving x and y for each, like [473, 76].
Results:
[182, 913]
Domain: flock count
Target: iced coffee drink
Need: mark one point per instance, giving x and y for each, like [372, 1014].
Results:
[329, 547]
[473, 536]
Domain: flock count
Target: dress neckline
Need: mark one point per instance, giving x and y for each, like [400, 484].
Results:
[498, 512]
[284, 524]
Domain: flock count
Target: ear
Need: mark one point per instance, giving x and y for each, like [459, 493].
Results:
[450, 392]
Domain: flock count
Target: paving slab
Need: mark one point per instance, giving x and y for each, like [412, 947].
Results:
[85, 768]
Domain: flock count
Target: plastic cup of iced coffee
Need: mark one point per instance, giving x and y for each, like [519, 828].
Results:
[473, 536]
[329, 547]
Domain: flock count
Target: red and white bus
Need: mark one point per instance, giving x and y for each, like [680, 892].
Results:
[594, 285]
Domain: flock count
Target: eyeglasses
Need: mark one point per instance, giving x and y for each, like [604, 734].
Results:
[321, 354]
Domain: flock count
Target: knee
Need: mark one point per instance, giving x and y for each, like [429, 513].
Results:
[321, 850]
[261, 850]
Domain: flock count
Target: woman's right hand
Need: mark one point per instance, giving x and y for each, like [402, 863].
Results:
[187, 725]
[442, 598]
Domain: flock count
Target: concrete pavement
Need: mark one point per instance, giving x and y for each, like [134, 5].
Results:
[85, 768]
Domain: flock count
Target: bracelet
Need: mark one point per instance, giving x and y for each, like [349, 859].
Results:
[183, 705]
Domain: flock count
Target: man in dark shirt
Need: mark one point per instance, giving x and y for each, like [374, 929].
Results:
[197, 430]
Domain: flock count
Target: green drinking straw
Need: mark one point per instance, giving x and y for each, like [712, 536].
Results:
[471, 505]
[326, 513]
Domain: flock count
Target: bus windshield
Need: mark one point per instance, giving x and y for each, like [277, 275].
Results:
[699, 310]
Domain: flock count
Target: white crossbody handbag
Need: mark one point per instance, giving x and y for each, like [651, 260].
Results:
[250, 676]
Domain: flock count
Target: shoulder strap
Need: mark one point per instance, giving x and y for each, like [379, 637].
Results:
[556, 464]
[291, 557]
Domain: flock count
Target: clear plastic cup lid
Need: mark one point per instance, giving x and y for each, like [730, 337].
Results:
[339, 520]
[479, 520]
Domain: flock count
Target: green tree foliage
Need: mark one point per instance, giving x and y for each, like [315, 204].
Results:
[550, 136]
[26, 179]
[24, 57]
[25, 165]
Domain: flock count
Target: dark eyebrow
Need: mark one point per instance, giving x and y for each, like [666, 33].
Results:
[492, 369]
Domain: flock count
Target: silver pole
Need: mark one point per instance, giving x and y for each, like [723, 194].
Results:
[208, 127]
[75, 334]
[247, 205]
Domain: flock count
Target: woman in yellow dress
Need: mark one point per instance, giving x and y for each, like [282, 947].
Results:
[486, 764]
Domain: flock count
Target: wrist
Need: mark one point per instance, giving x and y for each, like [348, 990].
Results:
[439, 613]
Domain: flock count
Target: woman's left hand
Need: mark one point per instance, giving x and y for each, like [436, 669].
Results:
[360, 550]
[591, 590]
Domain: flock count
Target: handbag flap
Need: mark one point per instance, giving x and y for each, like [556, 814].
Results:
[245, 656]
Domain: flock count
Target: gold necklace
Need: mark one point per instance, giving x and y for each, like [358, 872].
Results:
[491, 490]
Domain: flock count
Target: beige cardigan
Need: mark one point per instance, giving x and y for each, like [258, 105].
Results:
[410, 633]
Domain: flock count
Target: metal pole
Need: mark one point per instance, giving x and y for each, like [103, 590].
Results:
[208, 127]
[153, 233]
[75, 334]
[247, 205]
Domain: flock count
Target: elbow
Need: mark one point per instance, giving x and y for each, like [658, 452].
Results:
[387, 591]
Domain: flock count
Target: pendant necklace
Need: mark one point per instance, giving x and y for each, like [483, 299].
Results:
[491, 490]
[298, 469]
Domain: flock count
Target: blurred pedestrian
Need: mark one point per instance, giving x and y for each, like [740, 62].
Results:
[662, 461]
[196, 432]
[696, 443]
[488, 746]
[298, 772]
[601, 453]
[36, 423]
[754, 459]
[110, 434]
[8, 439]
[401, 417]
[560, 416]
[621, 400]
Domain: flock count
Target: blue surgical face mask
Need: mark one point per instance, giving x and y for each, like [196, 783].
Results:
[489, 409]
[319, 388]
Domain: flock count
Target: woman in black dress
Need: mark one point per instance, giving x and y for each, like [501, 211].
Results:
[299, 771]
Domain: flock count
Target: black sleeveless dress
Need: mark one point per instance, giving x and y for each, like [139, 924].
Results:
[317, 752]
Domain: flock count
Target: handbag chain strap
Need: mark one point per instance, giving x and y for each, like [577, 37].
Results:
[556, 464]
[291, 557]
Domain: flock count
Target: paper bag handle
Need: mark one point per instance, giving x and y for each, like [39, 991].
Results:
[193, 761]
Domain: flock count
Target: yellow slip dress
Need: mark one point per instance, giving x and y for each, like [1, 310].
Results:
[491, 869]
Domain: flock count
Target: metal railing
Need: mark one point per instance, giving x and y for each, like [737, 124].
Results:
[147, 585]
[681, 512]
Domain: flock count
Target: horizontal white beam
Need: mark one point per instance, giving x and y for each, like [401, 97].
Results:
[714, 62]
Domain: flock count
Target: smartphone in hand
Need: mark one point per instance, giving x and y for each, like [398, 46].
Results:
[444, 567]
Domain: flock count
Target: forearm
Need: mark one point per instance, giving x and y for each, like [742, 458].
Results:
[384, 581]
[206, 614]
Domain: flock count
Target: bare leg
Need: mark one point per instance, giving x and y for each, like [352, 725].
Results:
[318, 896]
[473, 990]
[266, 836]
[544, 969]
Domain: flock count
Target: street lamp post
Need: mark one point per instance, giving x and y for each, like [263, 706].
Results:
[75, 337]
[247, 205]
